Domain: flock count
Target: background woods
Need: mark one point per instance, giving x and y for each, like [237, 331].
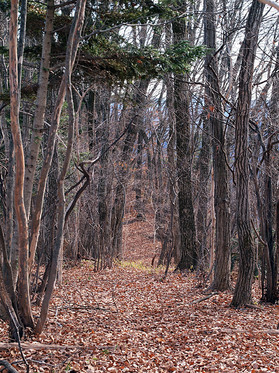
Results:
[117, 111]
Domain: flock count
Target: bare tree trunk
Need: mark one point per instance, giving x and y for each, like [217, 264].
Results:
[45, 252]
[221, 279]
[39, 115]
[104, 182]
[36, 221]
[242, 293]
[72, 48]
[16, 329]
[188, 259]
[11, 247]
[23, 277]
[8, 212]
[272, 272]
[120, 194]
[21, 41]
[204, 182]
[172, 175]
[277, 234]
[7, 293]
[139, 207]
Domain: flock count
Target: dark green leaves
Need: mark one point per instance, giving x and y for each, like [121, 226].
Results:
[128, 62]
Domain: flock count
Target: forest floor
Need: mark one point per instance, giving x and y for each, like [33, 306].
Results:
[127, 319]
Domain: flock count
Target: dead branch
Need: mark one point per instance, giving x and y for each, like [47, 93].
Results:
[261, 331]
[204, 298]
[8, 366]
[41, 346]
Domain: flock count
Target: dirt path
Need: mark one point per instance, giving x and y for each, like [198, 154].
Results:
[126, 319]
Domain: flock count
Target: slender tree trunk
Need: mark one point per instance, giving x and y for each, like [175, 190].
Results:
[72, 48]
[272, 272]
[40, 107]
[271, 291]
[91, 105]
[23, 277]
[102, 137]
[11, 247]
[172, 175]
[204, 183]
[172, 169]
[22, 34]
[276, 257]
[10, 155]
[36, 221]
[274, 118]
[46, 251]
[120, 194]
[139, 208]
[242, 293]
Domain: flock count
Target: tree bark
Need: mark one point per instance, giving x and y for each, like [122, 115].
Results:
[221, 279]
[72, 47]
[188, 259]
[40, 107]
[22, 35]
[272, 254]
[104, 183]
[36, 220]
[172, 175]
[23, 275]
[243, 290]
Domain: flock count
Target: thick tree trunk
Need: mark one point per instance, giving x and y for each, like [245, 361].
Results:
[221, 279]
[7, 293]
[188, 253]
[16, 328]
[242, 293]
[265, 195]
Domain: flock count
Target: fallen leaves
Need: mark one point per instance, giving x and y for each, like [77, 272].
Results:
[126, 319]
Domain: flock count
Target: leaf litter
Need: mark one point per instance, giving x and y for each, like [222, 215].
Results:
[126, 319]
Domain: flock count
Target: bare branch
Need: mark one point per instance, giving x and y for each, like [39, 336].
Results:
[273, 4]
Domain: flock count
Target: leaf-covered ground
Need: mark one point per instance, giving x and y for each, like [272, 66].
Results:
[127, 319]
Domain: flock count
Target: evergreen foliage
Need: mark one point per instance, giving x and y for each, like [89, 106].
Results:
[106, 53]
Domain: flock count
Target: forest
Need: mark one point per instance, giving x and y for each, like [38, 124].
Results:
[139, 185]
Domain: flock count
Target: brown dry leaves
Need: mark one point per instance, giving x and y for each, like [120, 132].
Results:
[126, 319]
